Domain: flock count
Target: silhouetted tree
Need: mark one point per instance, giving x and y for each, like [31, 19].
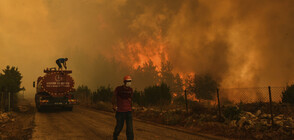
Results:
[174, 82]
[10, 84]
[178, 86]
[138, 98]
[157, 95]
[83, 93]
[189, 84]
[145, 75]
[288, 95]
[204, 87]
[166, 73]
[103, 94]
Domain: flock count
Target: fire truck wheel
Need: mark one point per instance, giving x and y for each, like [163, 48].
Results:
[39, 108]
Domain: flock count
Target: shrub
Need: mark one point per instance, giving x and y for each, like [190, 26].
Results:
[179, 100]
[171, 118]
[288, 95]
[232, 112]
[198, 107]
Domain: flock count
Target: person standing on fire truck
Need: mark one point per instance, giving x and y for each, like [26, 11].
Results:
[122, 104]
[61, 61]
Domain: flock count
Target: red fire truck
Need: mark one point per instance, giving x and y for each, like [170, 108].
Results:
[55, 88]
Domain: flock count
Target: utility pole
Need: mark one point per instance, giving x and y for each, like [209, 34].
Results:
[2, 102]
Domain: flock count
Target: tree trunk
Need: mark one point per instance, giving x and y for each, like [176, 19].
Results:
[2, 102]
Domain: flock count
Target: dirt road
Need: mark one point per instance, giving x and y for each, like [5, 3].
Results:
[84, 123]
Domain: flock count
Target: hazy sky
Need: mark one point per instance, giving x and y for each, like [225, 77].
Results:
[241, 43]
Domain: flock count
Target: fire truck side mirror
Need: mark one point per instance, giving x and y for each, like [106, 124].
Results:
[34, 84]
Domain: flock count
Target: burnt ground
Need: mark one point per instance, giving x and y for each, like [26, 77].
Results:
[20, 124]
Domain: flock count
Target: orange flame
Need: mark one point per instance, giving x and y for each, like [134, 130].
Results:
[136, 53]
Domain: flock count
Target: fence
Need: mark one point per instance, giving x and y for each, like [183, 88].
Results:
[261, 95]
[265, 99]
[257, 98]
[250, 95]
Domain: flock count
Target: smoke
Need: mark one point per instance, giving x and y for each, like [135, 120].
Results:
[240, 43]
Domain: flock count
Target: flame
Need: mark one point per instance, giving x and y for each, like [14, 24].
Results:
[174, 95]
[192, 97]
[136, 53]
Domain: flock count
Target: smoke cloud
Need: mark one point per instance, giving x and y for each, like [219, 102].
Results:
[241, 43]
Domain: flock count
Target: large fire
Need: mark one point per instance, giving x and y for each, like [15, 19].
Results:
[136, 53]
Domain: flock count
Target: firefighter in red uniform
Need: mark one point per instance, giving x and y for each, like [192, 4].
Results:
[122, 104]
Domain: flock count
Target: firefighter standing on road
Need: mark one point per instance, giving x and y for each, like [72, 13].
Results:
[61, 61]
[122, 104]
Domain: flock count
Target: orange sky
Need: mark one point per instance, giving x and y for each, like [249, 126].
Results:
[242, 43]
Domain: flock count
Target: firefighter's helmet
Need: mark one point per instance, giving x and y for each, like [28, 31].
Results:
[127, 78]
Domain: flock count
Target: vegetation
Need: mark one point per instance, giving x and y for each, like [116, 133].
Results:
[145, 75]
[180, 100]
[103, 94]
[83, 93]
[198, 108]
[153, 95]
[138, 98]
[232, 112]
[288, 95]
[173, 81]
[157, 95]
[203, 86]
[10, 82]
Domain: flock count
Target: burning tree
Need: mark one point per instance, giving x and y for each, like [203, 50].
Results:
[203, 86]
[145, 75]
[174, 82]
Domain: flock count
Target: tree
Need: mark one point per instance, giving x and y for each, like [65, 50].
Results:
[166, 74]
[288, 95]
[10, 85]
[204, 87]
[103, 94]
[12, 80]
[178, 87]
[83, 93]
[145, 75]
[189, 83]
[157, 95]
[174, 82]
[2, 100]
[138, 98]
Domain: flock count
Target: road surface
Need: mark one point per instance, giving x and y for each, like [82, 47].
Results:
[89, 124]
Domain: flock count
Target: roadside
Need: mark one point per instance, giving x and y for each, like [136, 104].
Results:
[19, 123]
[200, 121]
[150, 118]
[91, 124]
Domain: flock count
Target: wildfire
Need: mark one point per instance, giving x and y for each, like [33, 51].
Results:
[136, 53]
